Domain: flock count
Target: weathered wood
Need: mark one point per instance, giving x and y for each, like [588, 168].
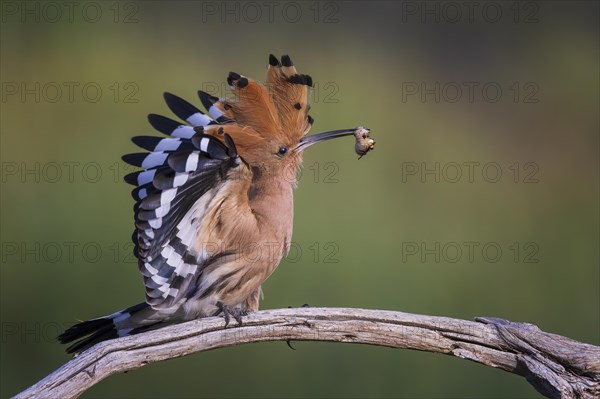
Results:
[556, 366]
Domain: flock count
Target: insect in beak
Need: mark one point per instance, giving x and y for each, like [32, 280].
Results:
[363, 144]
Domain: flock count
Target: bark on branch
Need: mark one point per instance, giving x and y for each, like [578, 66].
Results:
[558, 367]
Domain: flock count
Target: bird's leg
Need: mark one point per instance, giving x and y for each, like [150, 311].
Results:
[229, 312]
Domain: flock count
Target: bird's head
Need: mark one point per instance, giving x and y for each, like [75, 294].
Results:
[269, 122]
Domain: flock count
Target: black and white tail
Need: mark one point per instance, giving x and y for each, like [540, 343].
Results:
[133, 320]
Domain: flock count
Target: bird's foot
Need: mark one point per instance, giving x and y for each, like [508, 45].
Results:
[306, 305]
[229, 312]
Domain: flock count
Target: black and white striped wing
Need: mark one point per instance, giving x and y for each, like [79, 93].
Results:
[180, 175]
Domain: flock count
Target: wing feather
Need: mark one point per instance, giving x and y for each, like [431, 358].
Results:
[181, 176]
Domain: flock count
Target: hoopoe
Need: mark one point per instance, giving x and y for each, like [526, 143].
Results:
[214, 202]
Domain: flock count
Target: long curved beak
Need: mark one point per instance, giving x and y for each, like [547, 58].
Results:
[319, 137]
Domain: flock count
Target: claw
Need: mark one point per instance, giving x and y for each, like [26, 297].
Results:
[228, 312]
[289, 342]
[306, 305]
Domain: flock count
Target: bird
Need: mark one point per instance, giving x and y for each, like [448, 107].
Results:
[213, 202]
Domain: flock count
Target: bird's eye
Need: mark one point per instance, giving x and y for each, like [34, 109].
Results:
[282, 150]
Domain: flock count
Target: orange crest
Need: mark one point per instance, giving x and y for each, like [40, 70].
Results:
[263, 117]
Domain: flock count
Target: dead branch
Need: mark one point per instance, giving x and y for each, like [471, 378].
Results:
[556, 366]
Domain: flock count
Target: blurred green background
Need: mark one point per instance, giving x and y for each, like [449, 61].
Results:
[487, 88]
